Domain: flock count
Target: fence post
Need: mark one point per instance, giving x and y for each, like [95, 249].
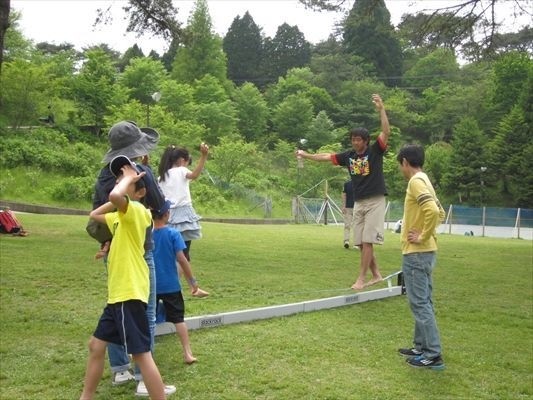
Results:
[387, 213]
[483, 209]
[450, 219]
[517, 224]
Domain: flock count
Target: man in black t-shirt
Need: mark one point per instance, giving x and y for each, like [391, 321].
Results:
[365, 166]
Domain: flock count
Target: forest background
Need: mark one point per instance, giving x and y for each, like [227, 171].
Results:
[449, 81]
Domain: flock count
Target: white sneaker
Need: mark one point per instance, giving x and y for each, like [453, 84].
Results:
[143, 392]
[120, 378]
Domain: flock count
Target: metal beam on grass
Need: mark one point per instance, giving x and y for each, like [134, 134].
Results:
[253, 314]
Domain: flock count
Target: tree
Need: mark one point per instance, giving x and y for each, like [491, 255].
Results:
[143, 77]
[481, 14]
[231, 157]
[94, 87]
[170, 54]
[508, 153]
[213, 109]
[158, 17]
[432, 70]
[203, 52]
[208, 89]
[288, 49]
[24, 87]
[448, 32]
[50, 48]
[292, 117]
[131, 53]
[368, 33]
[438, 158]
[15, 45]
[178, 99]
[356, 108]
[5, 7]
[510, 72]
[331, 66]
[243, 45]
[462, 175]
[251, 111]
[521, 41]
[320, 131]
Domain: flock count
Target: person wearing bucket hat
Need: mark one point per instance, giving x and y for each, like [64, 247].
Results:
[134, 144]
[127, 139]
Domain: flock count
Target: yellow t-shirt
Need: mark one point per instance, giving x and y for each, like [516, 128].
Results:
[127, 275]
[423, 213]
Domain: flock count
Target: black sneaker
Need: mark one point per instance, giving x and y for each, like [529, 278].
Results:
[435, 363]
[346, 245]
[412, 352]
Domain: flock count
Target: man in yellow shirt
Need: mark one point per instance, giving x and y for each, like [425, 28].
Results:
[422, 215]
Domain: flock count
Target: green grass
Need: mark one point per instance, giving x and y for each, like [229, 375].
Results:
[52, 293]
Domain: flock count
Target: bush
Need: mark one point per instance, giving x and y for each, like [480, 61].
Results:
[73, 189]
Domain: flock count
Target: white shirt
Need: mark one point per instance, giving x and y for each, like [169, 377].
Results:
[175, 187]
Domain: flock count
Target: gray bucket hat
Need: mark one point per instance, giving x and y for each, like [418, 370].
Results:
[127, 139]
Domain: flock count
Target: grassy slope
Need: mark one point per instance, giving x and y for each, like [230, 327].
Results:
[52, 293]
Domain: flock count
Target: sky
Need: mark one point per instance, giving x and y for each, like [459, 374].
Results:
[71, 21]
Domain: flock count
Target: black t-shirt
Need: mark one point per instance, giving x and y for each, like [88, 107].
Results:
[366, 170]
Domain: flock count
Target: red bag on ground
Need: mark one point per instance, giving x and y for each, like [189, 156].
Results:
[10, 224]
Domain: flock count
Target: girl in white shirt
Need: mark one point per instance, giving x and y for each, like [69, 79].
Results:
[174, 179]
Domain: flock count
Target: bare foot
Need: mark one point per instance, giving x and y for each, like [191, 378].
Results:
[358, 285]
[190, 360]
[200, 293]
[373, 281]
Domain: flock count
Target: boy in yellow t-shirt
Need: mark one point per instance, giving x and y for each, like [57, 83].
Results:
[124, 319]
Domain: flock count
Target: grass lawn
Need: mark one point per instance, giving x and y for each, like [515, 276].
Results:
[52, 293]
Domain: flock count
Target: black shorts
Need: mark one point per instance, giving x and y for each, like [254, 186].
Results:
[125, 323]
[174, 306]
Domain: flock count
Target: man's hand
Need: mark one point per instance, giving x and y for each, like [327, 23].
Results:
[300, 153]
[413, 236]
[376, 99]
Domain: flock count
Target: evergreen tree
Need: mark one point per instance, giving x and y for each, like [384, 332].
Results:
[131, 53]
[368, 33]
[462, 176]
[288, 49]
[243, 45]
[202, 53]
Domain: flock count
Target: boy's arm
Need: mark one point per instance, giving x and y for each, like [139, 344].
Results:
[98, 214]
[118, 195]
[204, 150]
[187, 270]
